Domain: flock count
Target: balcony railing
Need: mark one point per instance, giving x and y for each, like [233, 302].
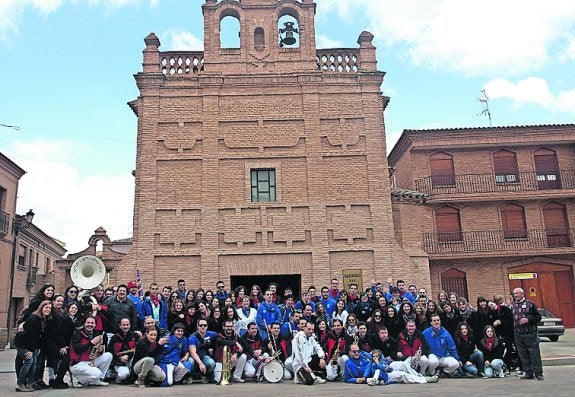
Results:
[338, 60]
[181, 63]
[486, 183]
[189, 63]
[497, 240]
[4, 222]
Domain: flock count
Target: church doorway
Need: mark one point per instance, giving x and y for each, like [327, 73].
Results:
[282, 280]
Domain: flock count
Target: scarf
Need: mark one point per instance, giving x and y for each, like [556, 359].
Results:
[489, 342]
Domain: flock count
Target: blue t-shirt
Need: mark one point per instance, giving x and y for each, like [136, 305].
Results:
[202, 344]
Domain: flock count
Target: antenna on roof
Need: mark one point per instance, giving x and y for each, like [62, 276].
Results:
[484, 101]
[14, 127]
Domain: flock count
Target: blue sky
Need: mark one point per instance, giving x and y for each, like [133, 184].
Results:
[66, 74]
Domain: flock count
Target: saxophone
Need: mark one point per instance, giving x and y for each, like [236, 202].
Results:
[95, 351]
[335, 354]
[226, 366]
[124, 352]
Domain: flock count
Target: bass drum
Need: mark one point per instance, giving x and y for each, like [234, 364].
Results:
[273, 371]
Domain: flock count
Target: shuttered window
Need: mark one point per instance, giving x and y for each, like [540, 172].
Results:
[448, 224]
[442, 170]
[513, 221]
[556, 225]
[505, 166]
[453, 280]
[547, 169]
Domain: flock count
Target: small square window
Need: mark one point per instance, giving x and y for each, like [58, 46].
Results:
[263, 184]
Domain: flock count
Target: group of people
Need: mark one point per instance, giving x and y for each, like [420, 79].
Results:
[388, 333]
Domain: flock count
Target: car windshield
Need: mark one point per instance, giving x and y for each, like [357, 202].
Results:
[545, 313]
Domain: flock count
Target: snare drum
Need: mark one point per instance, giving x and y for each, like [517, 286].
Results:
[273, 371]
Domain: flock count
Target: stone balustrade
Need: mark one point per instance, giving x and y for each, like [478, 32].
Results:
[338, 60]
[179, 63]
[186, 63]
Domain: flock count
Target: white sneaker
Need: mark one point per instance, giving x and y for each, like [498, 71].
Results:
[101, 383]
[75, 382]
[432, 379]
[319, 380]
[501, 374]
[371, 381]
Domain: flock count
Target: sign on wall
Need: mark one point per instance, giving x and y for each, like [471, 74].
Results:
[522, 276]
[352, 276]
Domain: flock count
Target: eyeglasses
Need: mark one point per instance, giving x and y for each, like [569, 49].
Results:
[220, 287]
[202, 325]
[72, 292]
[354, 351]
[377, 316]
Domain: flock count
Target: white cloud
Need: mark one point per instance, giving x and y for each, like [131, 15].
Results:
[470, 37]
[532, 90]
[12, 10]
[323, 41]
[68, 205]
[182, 40]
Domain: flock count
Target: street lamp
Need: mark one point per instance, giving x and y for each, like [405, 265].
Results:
[18, 223]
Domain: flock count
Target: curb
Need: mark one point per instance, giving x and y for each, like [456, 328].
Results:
[555, 361]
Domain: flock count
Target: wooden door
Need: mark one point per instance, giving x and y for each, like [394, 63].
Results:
[552, 289]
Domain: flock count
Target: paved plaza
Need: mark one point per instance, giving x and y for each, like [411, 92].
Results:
[559, 371]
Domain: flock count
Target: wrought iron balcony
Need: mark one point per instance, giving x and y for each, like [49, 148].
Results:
[486, 183]
[4, 223]
[500, 241]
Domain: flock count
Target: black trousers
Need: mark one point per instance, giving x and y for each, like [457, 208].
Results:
[527, 346]
[306, 377]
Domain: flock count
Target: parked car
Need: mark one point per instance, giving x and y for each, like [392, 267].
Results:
[550, 326]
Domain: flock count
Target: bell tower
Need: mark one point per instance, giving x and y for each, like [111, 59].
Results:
[273, 36]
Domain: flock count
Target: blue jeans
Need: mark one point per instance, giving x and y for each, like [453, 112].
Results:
[495, 365]
[208, 362]
[26, 372]
[478, 365]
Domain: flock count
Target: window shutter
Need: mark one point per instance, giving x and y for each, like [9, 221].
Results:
[513, 220]
[448, 224]
[505, 166]
[442, 169]
[547, 169]
[556, 225]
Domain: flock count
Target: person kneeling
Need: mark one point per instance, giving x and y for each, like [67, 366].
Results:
[147, 351]
[358, 365]
[88, 361]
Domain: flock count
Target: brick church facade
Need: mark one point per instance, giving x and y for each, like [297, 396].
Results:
[266, 161]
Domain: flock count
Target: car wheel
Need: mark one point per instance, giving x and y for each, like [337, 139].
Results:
[553, 338]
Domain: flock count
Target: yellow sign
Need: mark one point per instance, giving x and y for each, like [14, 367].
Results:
[352, 276]
[522, 276]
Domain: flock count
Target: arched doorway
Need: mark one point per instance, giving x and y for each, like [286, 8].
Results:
[549, 286]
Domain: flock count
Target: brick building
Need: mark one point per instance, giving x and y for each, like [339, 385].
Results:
[99, 244]
[500, 209]
[266, 161]
[27, 254]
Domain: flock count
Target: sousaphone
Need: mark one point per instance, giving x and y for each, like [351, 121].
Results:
[87, 272]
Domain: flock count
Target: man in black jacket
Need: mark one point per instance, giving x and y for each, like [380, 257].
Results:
[525, 320]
